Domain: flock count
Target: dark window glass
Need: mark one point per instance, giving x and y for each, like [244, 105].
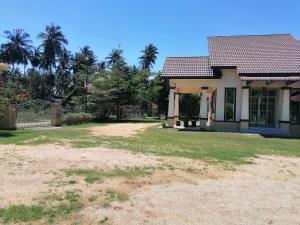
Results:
[230, 96]
[295, 106]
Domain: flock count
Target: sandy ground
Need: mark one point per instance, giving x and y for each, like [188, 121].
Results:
[267, 192]
[26, 171]
[180, 191]
[121, 129]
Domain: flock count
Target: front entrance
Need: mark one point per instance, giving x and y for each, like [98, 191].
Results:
[262, 104]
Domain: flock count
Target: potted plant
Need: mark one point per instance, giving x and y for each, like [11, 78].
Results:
[193, 123]
[186, 123]
[163, 124]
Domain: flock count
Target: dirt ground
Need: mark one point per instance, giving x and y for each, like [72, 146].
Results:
[121, 129]
[179, 191]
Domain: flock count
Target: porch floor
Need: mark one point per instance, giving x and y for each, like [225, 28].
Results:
[266, 131]
[251, 130]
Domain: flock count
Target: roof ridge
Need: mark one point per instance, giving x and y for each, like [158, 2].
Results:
[187, 57]
[249, 35]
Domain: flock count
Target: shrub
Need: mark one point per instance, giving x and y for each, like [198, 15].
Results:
[77, 118]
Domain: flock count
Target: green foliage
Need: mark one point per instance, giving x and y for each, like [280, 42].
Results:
[189, 105]
[102, 88]
[92, 176]
[149, 56]
[6, 94]
[21, 213]
[212, 146]
[77, 118]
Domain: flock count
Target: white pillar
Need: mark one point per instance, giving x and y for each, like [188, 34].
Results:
[285, 102]
[171, 103]
[203, 104]
[176, 110]
[203, 109]
[244, 123]
[209, 114]
[284, 122]
[171, 108]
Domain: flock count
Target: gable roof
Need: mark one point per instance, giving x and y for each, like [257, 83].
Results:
[187, 67]
[255, 54]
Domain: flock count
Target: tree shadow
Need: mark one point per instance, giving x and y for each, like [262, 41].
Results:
[280, 136]
[6, 134]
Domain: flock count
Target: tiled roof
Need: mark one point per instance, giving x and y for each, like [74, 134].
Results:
[295, 85]
[271, 78]
[187, 67]
[254, 54]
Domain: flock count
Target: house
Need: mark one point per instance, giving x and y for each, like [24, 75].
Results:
[246, 83]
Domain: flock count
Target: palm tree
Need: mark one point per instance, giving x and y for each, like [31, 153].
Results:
[63, 73]
[53, 44]
[115, 57]
[89, 58]
[18, 49]
[102, 65]
[35, 58]
[84, 58]
[148, 59]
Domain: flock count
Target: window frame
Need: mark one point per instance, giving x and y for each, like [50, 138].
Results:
[234, 110]
[291, 122]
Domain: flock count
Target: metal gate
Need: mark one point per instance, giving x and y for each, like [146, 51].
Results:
[35, 113]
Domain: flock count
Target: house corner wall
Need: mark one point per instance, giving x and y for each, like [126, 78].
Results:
[229, 79]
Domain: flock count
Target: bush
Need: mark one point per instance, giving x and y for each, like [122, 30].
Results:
[77, 118]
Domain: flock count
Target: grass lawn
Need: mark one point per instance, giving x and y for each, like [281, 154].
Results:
[223, 147]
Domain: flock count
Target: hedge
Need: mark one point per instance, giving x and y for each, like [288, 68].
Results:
[77, 118]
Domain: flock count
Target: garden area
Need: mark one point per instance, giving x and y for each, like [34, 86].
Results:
[130, 173]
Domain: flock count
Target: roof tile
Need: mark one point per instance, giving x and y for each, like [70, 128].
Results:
[187, 67]
[279, 53]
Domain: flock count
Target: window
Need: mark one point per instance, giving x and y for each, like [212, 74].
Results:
[229, 111]
[295, 106]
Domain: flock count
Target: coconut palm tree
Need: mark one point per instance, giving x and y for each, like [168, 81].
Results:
[53, 44]
[89, 58]
[115, 57]
[148, 59]
[35, 58]
[63, 73]
[18, 49]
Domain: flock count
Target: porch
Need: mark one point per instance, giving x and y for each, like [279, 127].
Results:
[251, 107]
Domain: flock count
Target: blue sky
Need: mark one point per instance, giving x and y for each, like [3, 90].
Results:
[176, 27]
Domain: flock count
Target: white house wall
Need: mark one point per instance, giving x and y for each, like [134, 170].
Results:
[229, 80]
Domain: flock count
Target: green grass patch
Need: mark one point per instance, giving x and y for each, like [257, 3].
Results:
[212, 146]
[94, 175]
[51, 207]
[112, 195]
[21, 213]
[37, 137]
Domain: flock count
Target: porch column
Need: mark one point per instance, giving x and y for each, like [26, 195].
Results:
[244, 122]
[171, 108]
[209, 114]
[203, 108]
[284, 122]
[176, 110]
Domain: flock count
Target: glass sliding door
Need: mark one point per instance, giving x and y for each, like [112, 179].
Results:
[262, 104]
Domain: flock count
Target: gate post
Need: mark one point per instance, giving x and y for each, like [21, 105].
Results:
[9, 120]
[56, 117]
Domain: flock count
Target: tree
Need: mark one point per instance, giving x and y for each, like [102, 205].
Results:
[148, 59]
[4, 93]
[18, 49]
[63, 73]
[115, 57]
[35, 58]
[34, 84]
[53, 44]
